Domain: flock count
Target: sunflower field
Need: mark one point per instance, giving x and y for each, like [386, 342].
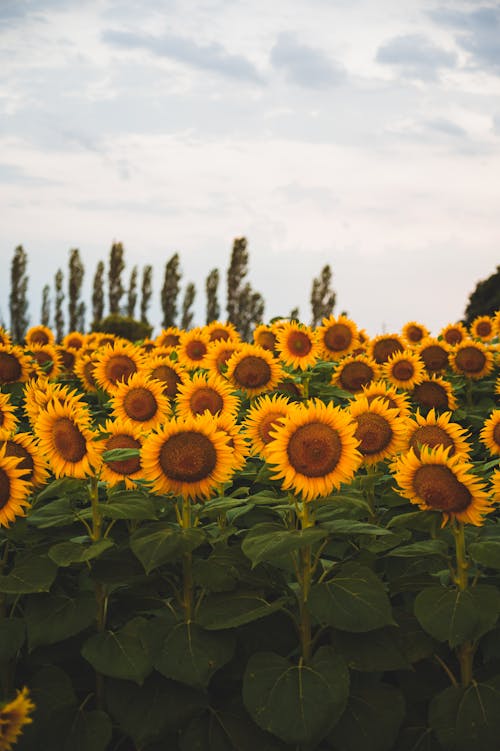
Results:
[285, 545]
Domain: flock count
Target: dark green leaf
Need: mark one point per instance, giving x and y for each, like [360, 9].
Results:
[465, 719]
[486, 553]
[221, 611]
[12, 635]
[121, 654]
[52, 618]
[372, 651]
[226, 731]
[166, 543]
[66, 553]
[129, 505]
[30, 574]
[268, 541]
[57, 513]
[419, 549]
[120, 455]
[64, 486]
[352, 527]
[85, 731]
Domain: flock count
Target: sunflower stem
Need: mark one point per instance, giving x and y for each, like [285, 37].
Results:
[467, 649]
[304, 580]
[187, 564]
[468, 392]
[96, 514]
[100, 593]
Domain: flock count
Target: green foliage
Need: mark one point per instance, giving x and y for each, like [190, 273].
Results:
[211, 286]
[76, 307]
[132, 293]
[170, 291]
[18, 300]
[123, 326]
[245, 306]
[98, 294]
[45, 311]
[59, 299]
[322, 296]
[187, 306]
[484, 300]
[146, 292]
[115, 284]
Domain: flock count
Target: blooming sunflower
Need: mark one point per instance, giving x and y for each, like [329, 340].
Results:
[73, 340]
[39, 335]
[473, 359]
[218, 331]
[47, 359]
[169, 337]
[381, 347]
[413, 333]
[236, 440]
[84, 370]
[435, 392]
[65, 438]
[39, 392]
[436, 430]
[188, 458]
[495, 485]
[116, 362]
[490, 433]
[454, 333]
[67, 359]
[388, 392]
[24, 447]
[253, 370]
[14, 490]
[314, 450]
[218, 354]
[404, 369]
[13, 716]
[482, 327]
[353, 372]
[15, 366]
[8, 417]
[193, 348]
[4, 336]
[337, 336]
[378, 428]
[265, 337]
[170, 374]
[206, 392]
[436, 481]
[141, 399]
[121, 434]
[435, 354]
[297, 345]
[263, 416]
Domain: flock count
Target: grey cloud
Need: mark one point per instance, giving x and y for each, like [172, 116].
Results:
[202, 56]
[478, 33]
[446, 127]
[304, 65]
[12, 175]
[416, 56]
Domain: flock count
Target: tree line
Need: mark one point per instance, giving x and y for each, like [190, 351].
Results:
[64, 310]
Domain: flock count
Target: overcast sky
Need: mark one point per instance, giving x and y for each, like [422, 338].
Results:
[361, 134]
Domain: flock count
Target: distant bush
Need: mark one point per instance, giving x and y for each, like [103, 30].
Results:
[128, 328]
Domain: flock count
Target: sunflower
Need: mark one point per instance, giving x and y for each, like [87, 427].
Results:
[206, 392]
[121, 434]
[218, 331]
[66, 439]
[141, 399]
[353, 372]
[218, 354]
[314, 450]
[388, 392]
[4, 336]
[236, 440]
[404, 369]
[435, 354]
[490, 433]
[39, 335]
[482, 327]
[263, 416]
[193, 348]
[15, 366]
[473, 359]
[73, 340]
[84, 370]
[39, 392]
[265, 337]
[253, 370]
[337, 337]
[413, 333]
[8, 417]
[108, 340]
[169, 337]
[436, 481]
[170, 374]
[116, 362]
[495, 485]
[47, 359]
[379, 429]
[436, 430]
[13, 716]
[383, 346]
[67, 359]
[24, 447]
[297, 345]
[188, 458]
[435, 392]
[14, 490]
[454, 333]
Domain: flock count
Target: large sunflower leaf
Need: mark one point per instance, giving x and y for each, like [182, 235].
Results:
[268, 541]
[51, 618]
[31, 573]
[221, 611]
[12, 636]
[163, 544]
[68, 552]
[121, 654]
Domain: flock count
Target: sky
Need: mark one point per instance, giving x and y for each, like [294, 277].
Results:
[357, 134]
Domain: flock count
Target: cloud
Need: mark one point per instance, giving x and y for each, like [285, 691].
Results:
[416, 56]
[11, 174]
[201, 56]
[446, 127]
[304, 65]
[478, 33]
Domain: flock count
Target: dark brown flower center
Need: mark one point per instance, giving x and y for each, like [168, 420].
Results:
[403, 370]
[496, 434]
[314, 449]
[124, 466]
[435, 358]
[384, 348]
[10, 368]
[140, 404]
[431, 435]
[15, 449]
[268, 423]
[196, 349]
[338, 337]
[68, 440]
[470, 360]
[388, 400]
[4, 488]
[68, 359]
[430, 394]
[266, 340]
[169, 378]
[252, 372]
[45, 360]
[188, 457]
[453, 336]
[74, 342]
[217, 334]
[205, 398]
[119, 368]
[299, 344]
[438, 487]
[373, 432]
[290, 388]
[170, 340]
[484, 328]
[88, 370]
[355, 375]
[414, 334]
[39, 337]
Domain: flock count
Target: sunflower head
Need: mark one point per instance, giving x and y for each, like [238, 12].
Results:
[472, 359]
[39, 335]
[206, 393]
[170, 374]
[490, 433]
[5, 337]
[193, 348]
[115, 363]
[404, 369]
[383, 346]
[141, 400]
[435, 392]
[46, 357]
[84, 370]
[14, 489]
[379, 429]
[8, 417]
[15, 366]
[225, 332]
[435, 354]
[413, 333]
[454, 333]
[262, 418]
[436, 430]
[337, 336]
[265, 337]
[73, 340]
[169, 337]
[253, 370]
[218, 354]
[24, 447]
[483, 328]
[393, 398]
[297, 345]
[121, 435]
[354, 372]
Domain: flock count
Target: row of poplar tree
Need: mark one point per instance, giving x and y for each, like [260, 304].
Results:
[244, 305]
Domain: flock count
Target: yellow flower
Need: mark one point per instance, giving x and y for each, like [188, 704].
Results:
[354, 372]
[116, 362]
[74, 340]
[206, 392]
[265, 337]
[40, 335]
[192, 349]
[490, 433]
[253, 369]
[25, 448]
[379, 429]
[414, 332]
[435, 354]
[46, 358]
[472, 358]
[263, 416]
[482, 327]
[84, 370]
[13, 716]
[169, 337]
[8, 417]
[121, 435]
[337, 337]
[388, 392]
[236, 440]
[436, 430]
[15, 366]
[169, 373]
[435, 392]
[141, 400]
[297, 345]
[383, 346]
[404, 369]
[225, 332]
[453, 333]
[218, 354]
[14, 490]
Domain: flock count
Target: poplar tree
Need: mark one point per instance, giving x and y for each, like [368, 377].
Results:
[146, 292]
[322, 296]
[251, 311]
[187, 304]
[76, 307]
[238, 269]
[170, 291]
[132, 293]
[213, 307]
[45, 312]
[59, 314]
[115, 286]
[98, 294]
[18, 301]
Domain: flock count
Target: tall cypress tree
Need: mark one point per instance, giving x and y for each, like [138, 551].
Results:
[132, 293]
[322, 296]
[170, 291]
[59, 314]
[251, 305]
[98, 294]
[45, 312]
[238, 269]
[187, 304]
[76, 307]
[146, 291]
[213, 307]
[18, 301]
[115, 286]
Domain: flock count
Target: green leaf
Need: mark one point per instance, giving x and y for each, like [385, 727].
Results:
[486, 553]
[128, 505]
[221, 570]
[268, 541]
[455, 616]
[52, 618]
[30, 574]
[85, 731]
[419, 549]
[12, 636]
[465, 719]
[120, 455]
[234, 609]
[371, 720]
[353, 600]
[226, 730]
[165, 544]
[68, 486]
[352, 527]
[121, 654]
[66, 553]
[58, 513]
[191, 655]
[298, 703]
[373, 651]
